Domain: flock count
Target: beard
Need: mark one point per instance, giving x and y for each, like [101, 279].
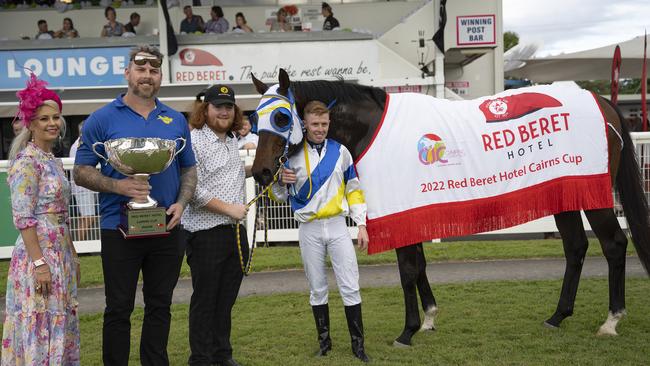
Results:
[144, 91]
[220, 125]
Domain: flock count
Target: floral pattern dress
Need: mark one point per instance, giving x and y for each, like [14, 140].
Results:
[39, 330]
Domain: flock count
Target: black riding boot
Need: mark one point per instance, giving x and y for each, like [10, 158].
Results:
[322, 318]
[355, 326]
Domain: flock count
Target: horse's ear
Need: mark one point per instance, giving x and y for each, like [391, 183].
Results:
[260, 86]
[284, 82]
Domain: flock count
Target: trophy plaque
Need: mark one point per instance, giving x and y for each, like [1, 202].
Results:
[139, 158]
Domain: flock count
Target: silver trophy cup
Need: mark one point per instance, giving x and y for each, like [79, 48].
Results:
[140, 157]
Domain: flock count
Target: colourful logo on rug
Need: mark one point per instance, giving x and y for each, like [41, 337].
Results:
[431, 149]
[514, 106]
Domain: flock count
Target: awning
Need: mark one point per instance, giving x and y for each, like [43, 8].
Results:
[594, 64]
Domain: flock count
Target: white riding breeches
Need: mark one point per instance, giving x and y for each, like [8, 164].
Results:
[317, 239]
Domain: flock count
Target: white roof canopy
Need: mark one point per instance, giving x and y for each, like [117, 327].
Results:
[594, 64]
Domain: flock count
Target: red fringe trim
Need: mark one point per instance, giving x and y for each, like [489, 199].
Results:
[488, 214]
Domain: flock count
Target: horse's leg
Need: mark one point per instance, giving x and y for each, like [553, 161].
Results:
[614, 243]
[424, 289]
[408, 273]
[575, 243]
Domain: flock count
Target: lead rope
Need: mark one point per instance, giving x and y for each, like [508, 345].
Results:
[249, 263]
[265, 218]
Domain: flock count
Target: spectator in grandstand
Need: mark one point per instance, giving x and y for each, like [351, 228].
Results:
[330, 23]
[84, 200]
[41, 325]
[246, 139]
[134, 21]
[280, 23]
[43, 32]
[218, 24]
[214, 210]
[321, 212]
[113, 28]
[67, 31]
[242, 26]
[192, 23]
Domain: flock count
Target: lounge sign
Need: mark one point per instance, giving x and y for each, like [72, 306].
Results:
[65, 67]
[302, 60]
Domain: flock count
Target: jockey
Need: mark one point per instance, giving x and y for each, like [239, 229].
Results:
[323, 188]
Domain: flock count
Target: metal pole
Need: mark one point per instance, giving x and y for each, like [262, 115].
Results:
[250, 193]
[498, 51]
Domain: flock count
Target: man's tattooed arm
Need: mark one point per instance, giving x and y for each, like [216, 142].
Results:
[188, 185]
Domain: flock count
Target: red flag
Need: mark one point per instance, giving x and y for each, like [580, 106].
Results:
[616, 71]
[644, 85]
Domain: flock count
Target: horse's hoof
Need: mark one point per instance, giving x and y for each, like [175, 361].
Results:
[603, 332]
[429, 316]
[398, 344]
[427, 326]
[609, 328]
[548, 325]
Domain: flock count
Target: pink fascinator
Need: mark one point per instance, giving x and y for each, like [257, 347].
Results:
[32, 97]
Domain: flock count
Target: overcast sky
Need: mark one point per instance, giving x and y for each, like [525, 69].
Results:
[563, 26]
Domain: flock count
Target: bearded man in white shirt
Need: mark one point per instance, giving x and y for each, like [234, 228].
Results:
[211, 218]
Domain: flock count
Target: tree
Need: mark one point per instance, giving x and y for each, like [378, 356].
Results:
[626, 86]
[597, 86]
[510, 39]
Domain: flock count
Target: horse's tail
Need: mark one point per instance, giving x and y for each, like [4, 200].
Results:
[629, 184]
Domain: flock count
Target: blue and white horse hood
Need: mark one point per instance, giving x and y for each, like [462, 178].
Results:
[277, 114]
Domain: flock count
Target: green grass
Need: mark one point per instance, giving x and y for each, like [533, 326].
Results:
[278, 258]
[487, 323]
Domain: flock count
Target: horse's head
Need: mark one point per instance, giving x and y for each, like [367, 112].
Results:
[278, 125]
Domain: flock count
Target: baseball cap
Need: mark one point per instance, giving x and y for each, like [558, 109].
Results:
[220, 94]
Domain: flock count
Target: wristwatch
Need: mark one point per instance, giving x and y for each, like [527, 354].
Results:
[39, 262]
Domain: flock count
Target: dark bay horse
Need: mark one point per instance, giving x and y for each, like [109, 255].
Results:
[355, 115]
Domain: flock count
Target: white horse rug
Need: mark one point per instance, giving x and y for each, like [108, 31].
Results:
[439, 168]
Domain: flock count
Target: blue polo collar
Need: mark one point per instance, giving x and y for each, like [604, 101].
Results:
[119, 103]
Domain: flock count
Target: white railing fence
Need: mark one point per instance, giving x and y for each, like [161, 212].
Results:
[281, 225]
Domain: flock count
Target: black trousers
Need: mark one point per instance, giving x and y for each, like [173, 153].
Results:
[160, 261]
[216, 277]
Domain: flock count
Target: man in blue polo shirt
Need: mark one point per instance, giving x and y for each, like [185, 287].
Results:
[138, 113]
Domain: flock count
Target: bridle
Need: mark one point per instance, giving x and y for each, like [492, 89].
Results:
[287, 106]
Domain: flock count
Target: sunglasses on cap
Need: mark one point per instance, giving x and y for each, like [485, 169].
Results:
[141, 60]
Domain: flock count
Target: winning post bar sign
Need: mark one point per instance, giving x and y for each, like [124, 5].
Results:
[476, 30]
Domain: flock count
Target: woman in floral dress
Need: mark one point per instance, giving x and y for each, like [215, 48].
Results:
[41, 325]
